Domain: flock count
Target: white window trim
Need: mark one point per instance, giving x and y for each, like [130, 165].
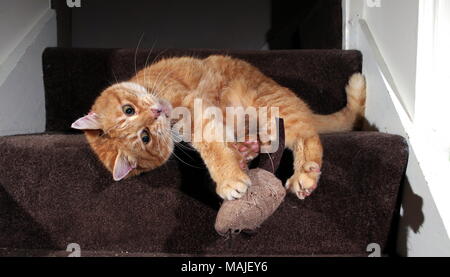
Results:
[430, 132]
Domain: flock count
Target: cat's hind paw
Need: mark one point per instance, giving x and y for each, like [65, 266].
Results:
[303, 183]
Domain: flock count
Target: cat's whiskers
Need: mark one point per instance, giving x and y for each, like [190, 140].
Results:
[135, 53]
[159, 81]
[115, 77]
[154, 59]
[111, 82]
[158, 76]
[178, 158]
[158, 143]
[148, 56]
[179, 144]
[176, 137]
[154, 83]
[120, 125]
[162, 82]
[181, 160]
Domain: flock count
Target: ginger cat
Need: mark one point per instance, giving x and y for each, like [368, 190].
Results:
[129, 125]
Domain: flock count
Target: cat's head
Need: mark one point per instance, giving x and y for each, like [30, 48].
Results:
[129, 129]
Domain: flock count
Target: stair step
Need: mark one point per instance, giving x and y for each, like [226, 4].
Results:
[54, 192]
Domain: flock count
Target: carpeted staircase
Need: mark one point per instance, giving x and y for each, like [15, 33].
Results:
[53, 191]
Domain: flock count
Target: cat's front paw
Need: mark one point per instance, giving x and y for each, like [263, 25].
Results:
[234, 187]
[304, 182]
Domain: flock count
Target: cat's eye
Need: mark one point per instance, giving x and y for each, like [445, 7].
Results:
[145, 137]
[128, 110]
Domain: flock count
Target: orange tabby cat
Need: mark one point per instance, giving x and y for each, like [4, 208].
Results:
[129, 124]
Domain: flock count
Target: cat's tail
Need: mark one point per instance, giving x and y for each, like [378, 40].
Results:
[344, 120]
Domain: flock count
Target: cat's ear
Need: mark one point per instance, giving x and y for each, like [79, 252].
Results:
[88, 122]
[122, 167]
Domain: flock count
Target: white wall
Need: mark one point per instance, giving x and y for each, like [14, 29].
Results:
[26, 28]
[394, 26]
[17, 17]
[422, 232]
[387, 37]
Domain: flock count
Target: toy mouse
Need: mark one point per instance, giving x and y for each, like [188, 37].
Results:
[262, 199]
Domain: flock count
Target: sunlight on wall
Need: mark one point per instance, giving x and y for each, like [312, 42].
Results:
[431, 132]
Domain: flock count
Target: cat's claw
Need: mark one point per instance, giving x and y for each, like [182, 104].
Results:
[304, 183]
[233, 189]
[296, 185]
